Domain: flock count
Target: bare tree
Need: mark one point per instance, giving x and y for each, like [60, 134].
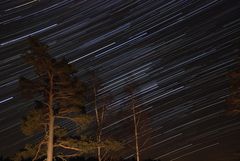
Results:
[139, 123]
[100, 108]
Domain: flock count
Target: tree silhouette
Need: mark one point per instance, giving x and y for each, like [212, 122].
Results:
[59, 99]
[234, 99]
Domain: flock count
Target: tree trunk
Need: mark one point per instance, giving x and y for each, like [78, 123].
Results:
[98, 134]
[51, 122]
[50, 139]
[135, 131]
[99, 153]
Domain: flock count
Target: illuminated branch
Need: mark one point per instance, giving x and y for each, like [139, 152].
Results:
[39, 149]
[68, 147]
[65, 117]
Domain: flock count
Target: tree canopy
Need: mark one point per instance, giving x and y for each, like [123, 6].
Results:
[59, 100]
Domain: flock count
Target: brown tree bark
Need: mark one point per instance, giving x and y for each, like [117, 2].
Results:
[51, 121]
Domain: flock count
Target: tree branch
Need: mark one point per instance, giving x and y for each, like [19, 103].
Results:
[38, 149]
[65, 117]
[104, 154]
[144, 143]
[68, 147]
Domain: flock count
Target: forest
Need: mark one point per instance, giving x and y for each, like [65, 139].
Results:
[119, 80]
[70, 114]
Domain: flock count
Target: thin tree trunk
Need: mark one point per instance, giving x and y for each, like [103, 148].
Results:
[99, 153]
[50, 139]
[135, 130]
[99, 156]
[51, 123]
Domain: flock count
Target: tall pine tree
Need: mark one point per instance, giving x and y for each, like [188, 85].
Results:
[59, 98]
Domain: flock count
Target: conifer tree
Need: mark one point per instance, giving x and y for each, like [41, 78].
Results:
[59, 99]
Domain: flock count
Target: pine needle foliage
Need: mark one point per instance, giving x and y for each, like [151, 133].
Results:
[58, 95]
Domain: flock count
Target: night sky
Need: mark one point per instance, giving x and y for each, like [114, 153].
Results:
[176, 52]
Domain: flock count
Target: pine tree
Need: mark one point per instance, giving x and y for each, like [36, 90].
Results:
[59, 99]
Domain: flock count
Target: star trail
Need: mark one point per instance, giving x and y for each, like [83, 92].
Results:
[176, 52]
